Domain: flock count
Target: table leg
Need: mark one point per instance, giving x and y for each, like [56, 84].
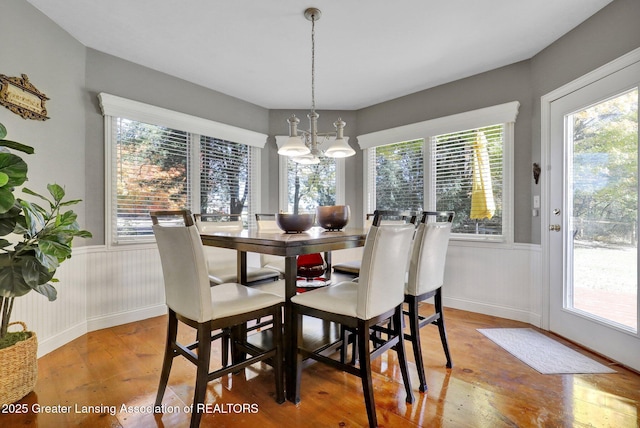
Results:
[327, 259]
[240, 332]
[290, 278]
[242, 267]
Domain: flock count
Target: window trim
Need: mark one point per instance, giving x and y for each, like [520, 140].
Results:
[283, 195]
[113, 106]
[499, 114]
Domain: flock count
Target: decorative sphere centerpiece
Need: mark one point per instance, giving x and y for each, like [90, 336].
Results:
[295, 223]
[333, 217]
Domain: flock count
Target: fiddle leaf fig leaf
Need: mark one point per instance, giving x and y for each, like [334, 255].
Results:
[17, 146]
[31, 271]
[11, 279]
[83, 234]
[15, 169]
[56, 191]
[49, 261]
[71, 202]
[4, 179]
[34, 218]
[7, 200]
[32, 193]
[47, 290]
[67, 219]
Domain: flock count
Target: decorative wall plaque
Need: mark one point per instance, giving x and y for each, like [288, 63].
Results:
[21, 97]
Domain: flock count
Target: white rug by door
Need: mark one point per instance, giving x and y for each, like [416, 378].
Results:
[543, 353]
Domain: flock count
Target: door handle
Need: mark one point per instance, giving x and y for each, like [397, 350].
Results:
[554, 228]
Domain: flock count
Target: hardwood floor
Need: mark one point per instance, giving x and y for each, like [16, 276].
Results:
[94, 376]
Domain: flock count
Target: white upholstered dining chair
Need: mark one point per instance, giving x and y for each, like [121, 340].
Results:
[425, 280]
[352, 267]
[192, 301]
[222, 262]
[267, 223]
[374, 300]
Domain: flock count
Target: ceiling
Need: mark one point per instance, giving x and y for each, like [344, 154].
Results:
[366, 52]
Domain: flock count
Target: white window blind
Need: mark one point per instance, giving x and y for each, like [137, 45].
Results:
[398, 171]
[225, 178]
[468, 168]
[151, 174]
[158, 168]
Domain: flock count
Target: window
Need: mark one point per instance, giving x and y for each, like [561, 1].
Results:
[225, 177]
[468, 178]
[176, 165]
[306, 187]
[150, 174]
[399, 176]
[451, 167]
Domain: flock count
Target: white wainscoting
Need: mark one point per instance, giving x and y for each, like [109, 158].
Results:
[124, 285]
[494, 279]
[499, 280]
[64, 319]
[101, 287]
[98, 288]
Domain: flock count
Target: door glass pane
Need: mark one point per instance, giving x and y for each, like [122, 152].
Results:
[604, 211]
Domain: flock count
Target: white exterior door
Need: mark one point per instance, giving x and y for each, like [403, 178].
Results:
[591, 215]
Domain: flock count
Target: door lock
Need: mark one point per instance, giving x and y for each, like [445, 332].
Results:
[554, 228]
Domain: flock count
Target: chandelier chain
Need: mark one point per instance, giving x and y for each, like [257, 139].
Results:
[313, 63]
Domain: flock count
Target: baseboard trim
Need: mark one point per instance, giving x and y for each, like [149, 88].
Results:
[61, 339]
[493, 310]
[92, 324]
[112, 320]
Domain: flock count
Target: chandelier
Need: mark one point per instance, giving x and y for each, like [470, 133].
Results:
[305, 148]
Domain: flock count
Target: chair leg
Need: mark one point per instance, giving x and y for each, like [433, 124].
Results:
[348, 337]
[172, 332]
[238, 335]
[296, 339]
[345, 344]
[226, 338]
[414, 331]
[202, 373]
[398, 328]
[437, 300]
[279, 357]
[365, 372]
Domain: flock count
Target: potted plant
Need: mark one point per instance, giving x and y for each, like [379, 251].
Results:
[34, 240]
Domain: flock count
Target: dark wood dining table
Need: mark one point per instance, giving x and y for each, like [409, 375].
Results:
[289, 246]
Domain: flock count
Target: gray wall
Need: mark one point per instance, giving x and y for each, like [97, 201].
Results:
[54, 62]
[71, 144]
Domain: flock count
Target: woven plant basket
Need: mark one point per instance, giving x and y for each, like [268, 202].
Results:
[18, 368]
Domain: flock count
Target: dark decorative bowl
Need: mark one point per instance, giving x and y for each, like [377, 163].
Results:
[295, 223]
[333, 217]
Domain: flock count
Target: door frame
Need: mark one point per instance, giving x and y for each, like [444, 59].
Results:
[545, 147]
